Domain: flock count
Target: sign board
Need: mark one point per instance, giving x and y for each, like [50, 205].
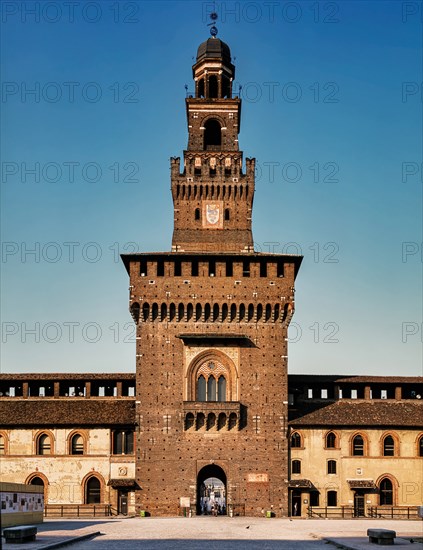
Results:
[257, 478]
[185, 502]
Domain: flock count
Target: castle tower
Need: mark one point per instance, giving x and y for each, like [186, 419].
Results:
[212, 317]
[212, 196]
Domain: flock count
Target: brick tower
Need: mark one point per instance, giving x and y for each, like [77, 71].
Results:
[212, 317]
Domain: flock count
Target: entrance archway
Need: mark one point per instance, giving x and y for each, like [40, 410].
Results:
[211, 491]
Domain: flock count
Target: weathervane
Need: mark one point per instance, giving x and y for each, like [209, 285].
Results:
[213, 28]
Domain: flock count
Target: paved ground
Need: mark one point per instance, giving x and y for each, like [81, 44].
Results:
[221, 533]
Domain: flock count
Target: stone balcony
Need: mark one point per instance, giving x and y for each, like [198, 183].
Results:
[211, 416]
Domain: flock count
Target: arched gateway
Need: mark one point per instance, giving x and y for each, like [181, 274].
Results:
[211, 491]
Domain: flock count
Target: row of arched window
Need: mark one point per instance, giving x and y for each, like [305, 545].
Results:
[211, 389]
[122, 443]
[211, 422]
[214, 192]
[385, 488]
[92, 487]
[209, 312]
[390, 443]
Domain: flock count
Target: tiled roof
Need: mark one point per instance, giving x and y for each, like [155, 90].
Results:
[365, 413]
[66, 412]
[68, 376]
[353, 379]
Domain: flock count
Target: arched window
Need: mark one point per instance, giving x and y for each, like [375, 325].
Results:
[200, 421]
[201, 88]
[420, 446]
[201, 388]
[332, 498]
[2, 444]
[197, 214]
[227, 214]
[212, 135]
[221, 388]
[92, 491]
[358, 446]
[221, 423]
[211, 421]
[189, 421]
[233, 420]
[296, 466]
[331, 466]
[388, 446]
[43, 445]
[330, 440]
[211, 389]
[145, 311]
[77, 445]
[135, 312]
[213, 88]
[386, 496]
[295, 440]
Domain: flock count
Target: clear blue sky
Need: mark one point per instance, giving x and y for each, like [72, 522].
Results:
[332, 112]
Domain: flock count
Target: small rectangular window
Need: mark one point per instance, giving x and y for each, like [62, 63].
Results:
[310, 393]
[324, 393]
[353, 394]
[246, 268]
[143, 268]
[314, 498]
[280, 269]
[383, 394]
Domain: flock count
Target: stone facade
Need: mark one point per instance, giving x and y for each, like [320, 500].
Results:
[78, 446]
[356, 445]
[326, 413]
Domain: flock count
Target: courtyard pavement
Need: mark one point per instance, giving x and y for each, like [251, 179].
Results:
[222, 533]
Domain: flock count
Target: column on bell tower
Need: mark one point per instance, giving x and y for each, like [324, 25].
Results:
[212, 196]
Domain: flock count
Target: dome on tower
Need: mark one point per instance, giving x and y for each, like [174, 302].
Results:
[214, 47]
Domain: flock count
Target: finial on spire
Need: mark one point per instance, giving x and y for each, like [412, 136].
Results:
[213, 28]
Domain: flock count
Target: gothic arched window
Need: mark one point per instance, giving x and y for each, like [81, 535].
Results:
[93, 491]
[221, 388]
[201, 388]
[330, 440]
[44, 445]
[386, 496]
[211, 389]
[77, 445]
[358, 446]
[295, 440]
[388, 446]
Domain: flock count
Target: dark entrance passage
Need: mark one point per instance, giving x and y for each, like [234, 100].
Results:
[296, 503]
[211, 491]
[358, 505]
